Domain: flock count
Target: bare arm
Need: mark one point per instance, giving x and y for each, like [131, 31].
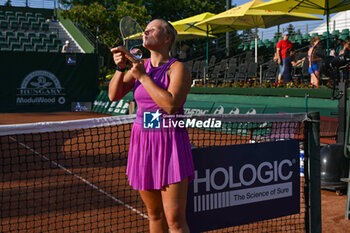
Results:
[121, 83]
[278, 51]
[298, 62]
[345, 47]
[169, 100]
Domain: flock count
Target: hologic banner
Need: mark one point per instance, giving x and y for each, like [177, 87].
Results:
[241, 184]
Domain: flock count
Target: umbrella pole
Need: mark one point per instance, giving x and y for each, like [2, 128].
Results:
[207, 48]
[256, 45]
[327, 12]
[206, 57]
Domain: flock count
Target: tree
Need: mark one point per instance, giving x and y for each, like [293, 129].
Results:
[298, 32]
[171, 10]
[174, 10]
[8, 3]
[277, 35]
[95, 17]
[105, 15]
[291, 29]
[235, 40]
[247, 36]
[107, 3]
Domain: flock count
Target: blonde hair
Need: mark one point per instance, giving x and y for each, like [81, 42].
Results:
[170, 30]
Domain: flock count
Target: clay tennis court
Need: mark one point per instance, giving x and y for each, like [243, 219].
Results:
[91, 194]
[67, 181]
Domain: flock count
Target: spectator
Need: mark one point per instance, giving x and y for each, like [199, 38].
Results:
[314, 69]
[67, 48]
[281, 49]
[346, 47]
[345, 51]
[289, 62]
[184, 48]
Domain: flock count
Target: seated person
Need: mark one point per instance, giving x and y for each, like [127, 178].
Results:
[67, 48]
[289, 62]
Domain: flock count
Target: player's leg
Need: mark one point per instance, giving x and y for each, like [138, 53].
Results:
[280, 74]
[315, 75]
[282, 67]
[155, 210]
[314, 80]
[317, 79]
[174, 199]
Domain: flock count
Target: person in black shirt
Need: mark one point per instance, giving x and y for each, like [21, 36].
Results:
[289, 63]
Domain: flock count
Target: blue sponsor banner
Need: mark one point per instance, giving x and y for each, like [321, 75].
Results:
[241, 184]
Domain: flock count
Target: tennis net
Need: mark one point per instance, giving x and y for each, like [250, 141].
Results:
[70, 176]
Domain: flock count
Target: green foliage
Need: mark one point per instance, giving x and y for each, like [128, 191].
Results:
[291, 29]
[96, 17]
[254, 83]
[298, 32]
[247, 36]
[277, 35]
[8, 3]
[174, 10]
[104, 15]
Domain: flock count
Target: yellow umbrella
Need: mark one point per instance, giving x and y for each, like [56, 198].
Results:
[189, 25]
[191, 35]
[318, 7]
[180, 36]
[246, 17]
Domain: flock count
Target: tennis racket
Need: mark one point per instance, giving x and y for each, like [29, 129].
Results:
[131, 33]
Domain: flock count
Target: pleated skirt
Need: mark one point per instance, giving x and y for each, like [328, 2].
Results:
[158, 157]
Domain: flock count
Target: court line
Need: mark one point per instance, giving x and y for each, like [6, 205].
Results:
[82, 179]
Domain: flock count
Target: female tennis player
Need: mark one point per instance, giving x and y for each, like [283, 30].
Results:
[160, 162]
[314, 69]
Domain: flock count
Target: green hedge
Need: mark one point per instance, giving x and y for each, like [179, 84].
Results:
[291, 92]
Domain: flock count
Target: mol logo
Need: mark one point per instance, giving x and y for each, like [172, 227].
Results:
[40, 87]
[151, 120]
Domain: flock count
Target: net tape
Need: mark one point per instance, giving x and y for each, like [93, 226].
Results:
[42, 127]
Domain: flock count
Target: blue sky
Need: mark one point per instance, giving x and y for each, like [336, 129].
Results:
[240, 2]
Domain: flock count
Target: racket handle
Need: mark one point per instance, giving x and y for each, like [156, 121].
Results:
[127, 54]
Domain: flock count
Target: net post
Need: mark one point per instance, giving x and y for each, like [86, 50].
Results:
[314, 167]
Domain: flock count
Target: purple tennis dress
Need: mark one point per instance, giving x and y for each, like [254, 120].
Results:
[157, 157]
